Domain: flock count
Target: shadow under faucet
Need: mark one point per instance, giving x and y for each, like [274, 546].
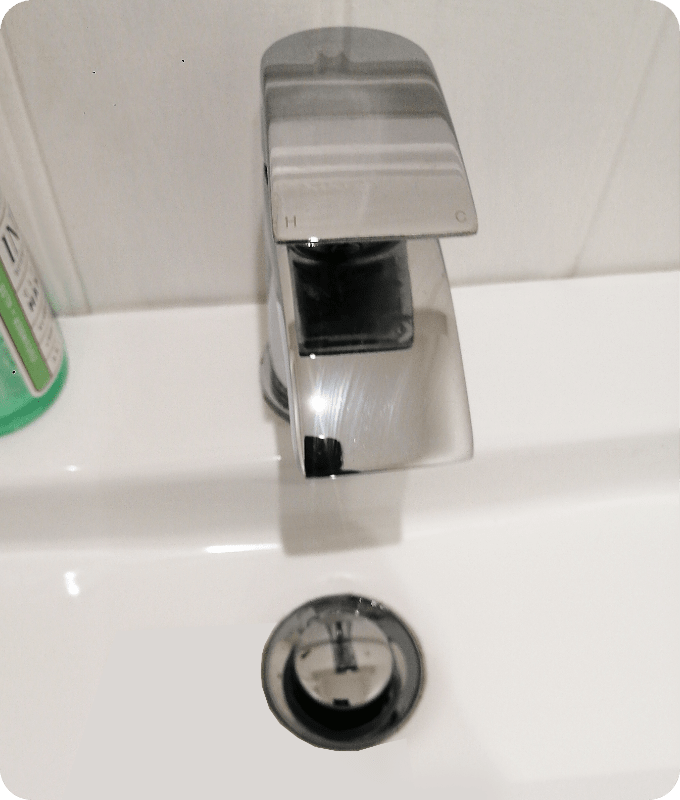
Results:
[350, 513]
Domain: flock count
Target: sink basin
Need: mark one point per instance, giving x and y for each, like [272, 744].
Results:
[155, 529]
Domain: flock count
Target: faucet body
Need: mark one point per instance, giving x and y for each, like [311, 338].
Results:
[362, 174]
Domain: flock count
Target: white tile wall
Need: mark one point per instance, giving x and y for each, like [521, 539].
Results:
[146, 120]
[26, 184]
[637, 221]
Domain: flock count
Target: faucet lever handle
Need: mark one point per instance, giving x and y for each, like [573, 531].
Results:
[358, 140]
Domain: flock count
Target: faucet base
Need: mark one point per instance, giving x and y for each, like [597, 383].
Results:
[370, 411]
[273, 391]
[322, 457]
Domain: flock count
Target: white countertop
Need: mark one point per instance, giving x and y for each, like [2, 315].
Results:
[176, 392]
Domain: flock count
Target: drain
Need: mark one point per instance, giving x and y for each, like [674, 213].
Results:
[342, 672]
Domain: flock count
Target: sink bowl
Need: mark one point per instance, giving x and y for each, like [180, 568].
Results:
[155, 529]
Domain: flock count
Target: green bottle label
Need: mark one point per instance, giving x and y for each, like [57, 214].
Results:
[32, 338]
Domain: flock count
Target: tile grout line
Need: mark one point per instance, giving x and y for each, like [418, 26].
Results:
[618, 150]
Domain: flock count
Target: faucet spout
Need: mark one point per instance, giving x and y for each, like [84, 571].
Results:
[362, 173]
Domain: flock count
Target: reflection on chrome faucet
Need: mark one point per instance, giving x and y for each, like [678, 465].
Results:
[362, 173]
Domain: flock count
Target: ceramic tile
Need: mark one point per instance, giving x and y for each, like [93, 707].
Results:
[149, 128]
[636, 224]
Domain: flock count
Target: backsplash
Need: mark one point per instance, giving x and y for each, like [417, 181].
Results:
[142, 181]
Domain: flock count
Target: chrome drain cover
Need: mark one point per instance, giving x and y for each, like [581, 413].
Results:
[342, 672]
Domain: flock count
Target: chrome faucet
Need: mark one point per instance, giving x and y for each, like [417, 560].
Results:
[362, 173]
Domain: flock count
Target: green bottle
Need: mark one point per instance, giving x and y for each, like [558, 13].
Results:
[33, 361]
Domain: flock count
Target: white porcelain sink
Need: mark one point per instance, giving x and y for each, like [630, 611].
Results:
[154, 529]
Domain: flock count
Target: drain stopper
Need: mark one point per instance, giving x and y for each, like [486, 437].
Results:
[342, 672]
